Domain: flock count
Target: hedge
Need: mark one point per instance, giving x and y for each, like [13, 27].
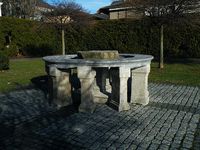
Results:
[127, 36]
[27, 37]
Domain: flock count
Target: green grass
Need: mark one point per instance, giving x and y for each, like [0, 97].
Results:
[176, 73]
[22, 71]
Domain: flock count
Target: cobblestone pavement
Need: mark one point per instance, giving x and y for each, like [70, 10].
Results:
[169, 121]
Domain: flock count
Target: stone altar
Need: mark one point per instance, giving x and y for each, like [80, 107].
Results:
[102, 80]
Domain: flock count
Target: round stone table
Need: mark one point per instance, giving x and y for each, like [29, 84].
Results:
[101, 80]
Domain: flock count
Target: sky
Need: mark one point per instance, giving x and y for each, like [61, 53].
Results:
[91, 5]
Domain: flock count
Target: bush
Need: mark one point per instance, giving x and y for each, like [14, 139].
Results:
[27, 37]
[4, 61]
[138, 36]
[32, 38]
[11, 51]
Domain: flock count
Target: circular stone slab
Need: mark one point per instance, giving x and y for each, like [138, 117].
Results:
[71, 61]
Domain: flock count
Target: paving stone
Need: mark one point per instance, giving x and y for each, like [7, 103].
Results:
[164, 147]
[169, 121]
[132, 147]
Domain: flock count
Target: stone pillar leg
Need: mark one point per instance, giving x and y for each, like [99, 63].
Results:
[139, 85]
[61, 91]
[0, 8]
[119, 97]
[87, 78]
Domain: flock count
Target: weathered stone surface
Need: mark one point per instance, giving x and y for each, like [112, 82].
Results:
[139, 85]
[72, 61]
[87, 79]
[0, 9]
[124, 63]
[119, 97]
[60, 87]
[99, 54]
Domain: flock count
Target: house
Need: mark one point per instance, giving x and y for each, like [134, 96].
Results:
[32, 10]
[119, 10]
[40, 8]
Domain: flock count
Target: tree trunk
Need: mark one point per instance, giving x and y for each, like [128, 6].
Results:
[63, 41]
[161, 64]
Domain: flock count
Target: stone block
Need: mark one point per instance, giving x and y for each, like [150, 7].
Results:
[139, 85]
[87, 79]
[119, 95]
[98, 54]
[59, 82]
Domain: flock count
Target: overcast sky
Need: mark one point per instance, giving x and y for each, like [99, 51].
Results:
[91, 5]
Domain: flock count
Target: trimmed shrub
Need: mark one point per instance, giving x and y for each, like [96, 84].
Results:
[32, 38]
[27, 37]
[4, 61]
[11, 50]
[139, 36]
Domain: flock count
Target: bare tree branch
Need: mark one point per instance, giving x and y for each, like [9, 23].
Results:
[65, 13]
[164, 12]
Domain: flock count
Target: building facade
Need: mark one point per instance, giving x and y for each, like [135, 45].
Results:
[119, 10]
[32, 9]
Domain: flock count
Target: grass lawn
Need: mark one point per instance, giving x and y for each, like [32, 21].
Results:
[22, 71]
[176, 73]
